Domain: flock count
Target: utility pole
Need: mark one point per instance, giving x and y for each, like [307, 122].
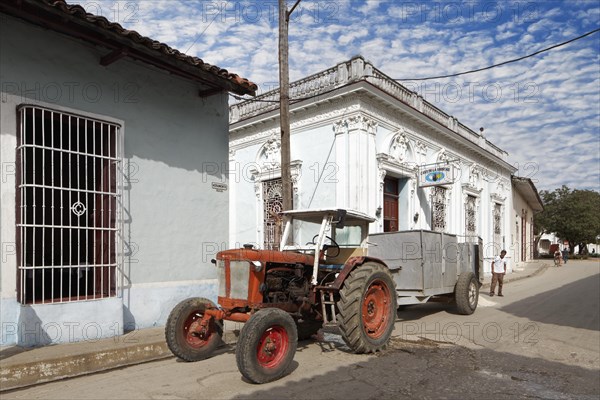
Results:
[284, 103]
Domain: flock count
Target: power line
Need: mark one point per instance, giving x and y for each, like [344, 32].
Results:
[504, 62]
[428, 78]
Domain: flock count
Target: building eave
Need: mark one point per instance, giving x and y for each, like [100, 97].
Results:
[74, 21]
[526, 188]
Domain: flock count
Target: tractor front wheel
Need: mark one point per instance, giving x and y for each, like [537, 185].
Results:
[185, 335]
[266, 345]
[367, 308]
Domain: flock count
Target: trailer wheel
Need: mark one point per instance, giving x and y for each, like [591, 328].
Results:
[266, 345]
[367, 308]
[466, 293]
[182, 330]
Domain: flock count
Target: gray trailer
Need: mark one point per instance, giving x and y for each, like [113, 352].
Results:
[427, 264]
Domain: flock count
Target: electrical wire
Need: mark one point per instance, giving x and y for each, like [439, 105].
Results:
[431, 77]
[504, 62]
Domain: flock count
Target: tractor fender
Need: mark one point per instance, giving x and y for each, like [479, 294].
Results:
[350, 265]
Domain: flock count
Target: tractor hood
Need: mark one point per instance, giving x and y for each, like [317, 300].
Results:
[265, 256]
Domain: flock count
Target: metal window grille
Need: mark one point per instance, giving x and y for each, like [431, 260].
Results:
[470, 216]
[497, 225]
[438, 210]
[272, 206]
[69, 206]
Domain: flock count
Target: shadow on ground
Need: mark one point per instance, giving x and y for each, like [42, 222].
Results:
[571, 299]
[427, 370]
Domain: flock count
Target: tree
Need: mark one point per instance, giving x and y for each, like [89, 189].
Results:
[573, 215]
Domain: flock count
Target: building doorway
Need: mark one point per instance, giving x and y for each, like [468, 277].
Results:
[390, 204]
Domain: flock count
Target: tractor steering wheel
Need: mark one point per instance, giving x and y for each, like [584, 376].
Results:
[326, 247]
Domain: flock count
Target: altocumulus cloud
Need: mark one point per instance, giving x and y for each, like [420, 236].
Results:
[545, 111]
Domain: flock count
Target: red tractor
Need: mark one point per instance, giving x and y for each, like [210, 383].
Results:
[288, 295]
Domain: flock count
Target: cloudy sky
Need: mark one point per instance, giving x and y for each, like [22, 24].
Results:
[544, 111]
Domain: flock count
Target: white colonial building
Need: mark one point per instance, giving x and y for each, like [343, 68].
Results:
[360, 140]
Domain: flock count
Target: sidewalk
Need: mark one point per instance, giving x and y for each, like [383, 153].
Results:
[527, 270]
[21, 367]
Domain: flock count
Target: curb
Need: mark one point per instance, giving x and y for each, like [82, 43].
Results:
[18, 376]
[36, 372]
[538, 271]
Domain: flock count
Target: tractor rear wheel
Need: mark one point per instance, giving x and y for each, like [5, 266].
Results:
[183, 334]
[367, 308]
[266, 345]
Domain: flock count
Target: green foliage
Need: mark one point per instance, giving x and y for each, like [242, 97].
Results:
[574, 215]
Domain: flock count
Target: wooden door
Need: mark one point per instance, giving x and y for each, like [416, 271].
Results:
[390, 205]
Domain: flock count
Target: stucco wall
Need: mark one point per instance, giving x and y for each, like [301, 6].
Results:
[317, 178]
[174, 221]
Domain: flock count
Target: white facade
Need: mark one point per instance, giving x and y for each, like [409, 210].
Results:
[354, 128]
[168, 220]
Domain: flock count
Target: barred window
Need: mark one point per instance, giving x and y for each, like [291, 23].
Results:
[272, 206]
[470, 216]
[438, 213]
[68, 199]
[497, 213]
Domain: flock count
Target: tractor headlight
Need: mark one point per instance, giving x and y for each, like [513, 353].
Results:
[257, 266]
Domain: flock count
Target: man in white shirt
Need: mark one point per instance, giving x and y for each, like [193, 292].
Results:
[498, 271]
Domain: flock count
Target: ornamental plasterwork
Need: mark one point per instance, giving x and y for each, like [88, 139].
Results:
[500, 187]
[499, 194]
[399, 148]
[421, 150]
[497, 213]
[344, 108]
[443, 156]
[439, 206]
[361, 122]
[386, 163]
[270, 155]
[340, 126]
[382, 174]
[475, 176]
[261, 175]
[471, 212]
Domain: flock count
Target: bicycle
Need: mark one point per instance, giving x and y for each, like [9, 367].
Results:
[557, 260]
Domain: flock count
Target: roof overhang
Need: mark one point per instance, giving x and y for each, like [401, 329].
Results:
[72, 20]
[526, 188]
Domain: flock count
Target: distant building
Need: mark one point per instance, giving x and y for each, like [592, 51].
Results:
[526, 202]
[361, 140]
[108, 215]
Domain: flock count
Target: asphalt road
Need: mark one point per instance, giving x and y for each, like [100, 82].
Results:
[542, 340]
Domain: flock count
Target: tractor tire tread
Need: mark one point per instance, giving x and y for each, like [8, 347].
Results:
[349, 308]
[250, 335]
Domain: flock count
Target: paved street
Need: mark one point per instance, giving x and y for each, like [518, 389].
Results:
[541, 340]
